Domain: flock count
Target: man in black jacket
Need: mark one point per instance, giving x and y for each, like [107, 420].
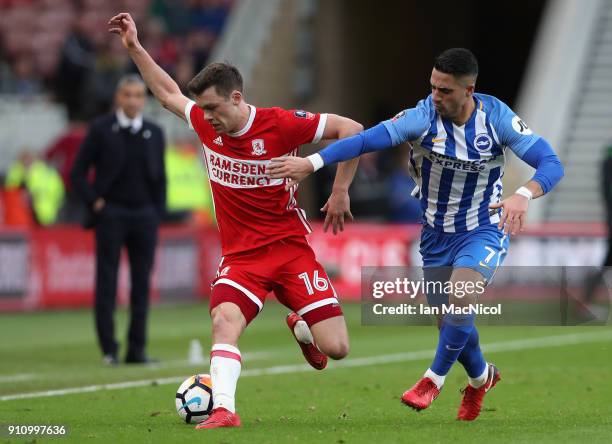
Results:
[125, 202]
[596, 280]
[606, 186]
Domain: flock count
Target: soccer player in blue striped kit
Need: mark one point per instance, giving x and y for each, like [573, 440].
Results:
[458, 139]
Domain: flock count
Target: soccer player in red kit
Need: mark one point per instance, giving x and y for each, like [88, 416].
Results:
[262, 229]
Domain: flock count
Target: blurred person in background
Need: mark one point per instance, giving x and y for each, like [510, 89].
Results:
[44, 187]
[403, 206]
[188, 192]
[607, 193]
[76, 62]
[125, 203]
[109, 65]
[62, 154]
[209, 14]
[369, 189]
[22, 79]
[597, 279]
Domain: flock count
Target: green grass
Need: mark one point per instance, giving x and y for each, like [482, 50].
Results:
[548, 394]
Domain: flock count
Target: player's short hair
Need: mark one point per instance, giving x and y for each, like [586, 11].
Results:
[223, 76]
[130, 78]
[458, 62]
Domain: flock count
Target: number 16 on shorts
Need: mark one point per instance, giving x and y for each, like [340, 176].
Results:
[317, 283]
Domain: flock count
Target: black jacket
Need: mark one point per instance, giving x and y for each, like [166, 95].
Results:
[104, 150]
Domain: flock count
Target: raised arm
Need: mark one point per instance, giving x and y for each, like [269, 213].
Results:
[164, 88]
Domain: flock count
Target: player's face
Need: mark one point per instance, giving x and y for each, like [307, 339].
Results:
[450, 94]
[131, 98]
[221, 112]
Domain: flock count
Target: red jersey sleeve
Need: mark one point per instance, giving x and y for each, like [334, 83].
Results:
[195, 118]
[301, 127]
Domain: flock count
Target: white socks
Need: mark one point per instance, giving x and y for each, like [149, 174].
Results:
[480, 380]
[474, 382]
[437, 379]
[302, 332]
[225, 365]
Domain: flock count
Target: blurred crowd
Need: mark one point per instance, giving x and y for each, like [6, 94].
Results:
[37, 189]
[61, 49]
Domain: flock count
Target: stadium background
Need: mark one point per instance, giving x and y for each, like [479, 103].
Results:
[551, 61]
[59, 67]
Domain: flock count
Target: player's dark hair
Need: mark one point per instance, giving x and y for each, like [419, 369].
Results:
[458, 62]
[223, 76]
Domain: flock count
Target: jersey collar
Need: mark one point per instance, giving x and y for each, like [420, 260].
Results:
[248, 125]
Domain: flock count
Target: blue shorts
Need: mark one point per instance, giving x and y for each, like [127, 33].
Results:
[482, 249]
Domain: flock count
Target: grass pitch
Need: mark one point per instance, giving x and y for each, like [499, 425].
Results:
[556, 383]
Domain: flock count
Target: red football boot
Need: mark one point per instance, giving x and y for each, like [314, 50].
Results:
[472, 397]
[312, 354]
[421, 395]
[219, 417]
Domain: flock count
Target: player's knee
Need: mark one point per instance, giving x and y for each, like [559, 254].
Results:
[226, 322]
[337, 350]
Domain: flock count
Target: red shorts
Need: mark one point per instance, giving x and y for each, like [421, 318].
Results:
[289, 268]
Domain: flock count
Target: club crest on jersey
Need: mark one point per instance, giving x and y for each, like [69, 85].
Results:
[483, 142]
[258, 147]
[303, 114]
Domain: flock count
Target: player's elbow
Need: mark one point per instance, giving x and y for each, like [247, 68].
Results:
[549, 173]
[353, 127]
[557, 171]
[561, 170]
[339, 127]
[167, 94]
[349, 128]
[165, 100]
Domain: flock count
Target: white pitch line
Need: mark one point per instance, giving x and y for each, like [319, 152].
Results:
[246, 357]
[503, 346]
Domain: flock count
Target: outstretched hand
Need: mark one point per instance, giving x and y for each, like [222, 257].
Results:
[294, 168]
[514, 212]
[124, 26]
[337, 207]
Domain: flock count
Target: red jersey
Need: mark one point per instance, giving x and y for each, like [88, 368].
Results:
[251, 208]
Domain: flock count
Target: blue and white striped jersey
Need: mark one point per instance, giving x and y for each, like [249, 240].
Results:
[459, 169]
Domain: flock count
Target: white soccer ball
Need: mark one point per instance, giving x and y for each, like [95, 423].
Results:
[194, 398]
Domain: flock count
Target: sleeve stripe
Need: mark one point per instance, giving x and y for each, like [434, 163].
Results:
[320, 128]
[188, 107]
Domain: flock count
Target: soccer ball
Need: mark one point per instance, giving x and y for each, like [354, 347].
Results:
[194, 400]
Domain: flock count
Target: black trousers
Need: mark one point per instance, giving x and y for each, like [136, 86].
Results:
[596, 280]
[136, 229]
